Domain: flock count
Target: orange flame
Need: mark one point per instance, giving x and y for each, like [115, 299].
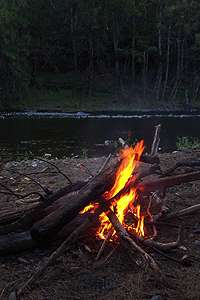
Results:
[130, 156]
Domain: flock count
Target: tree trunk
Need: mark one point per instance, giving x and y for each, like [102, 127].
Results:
[73, 22]
[91, 66]
[160, 68]
[118, 82]
[133, 47]
[167, 63]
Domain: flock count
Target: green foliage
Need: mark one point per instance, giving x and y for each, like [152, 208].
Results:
[188, 143]
[92, 37]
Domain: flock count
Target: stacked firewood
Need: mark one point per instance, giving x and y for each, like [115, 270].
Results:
[58, 217]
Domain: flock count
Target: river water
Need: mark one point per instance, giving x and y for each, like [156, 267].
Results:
[24, 135]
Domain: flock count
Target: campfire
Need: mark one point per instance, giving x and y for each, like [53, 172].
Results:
[123, 204]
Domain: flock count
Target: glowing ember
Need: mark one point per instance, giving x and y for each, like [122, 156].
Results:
[130, 156]
[87, 208]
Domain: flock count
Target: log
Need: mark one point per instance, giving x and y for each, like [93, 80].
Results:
[163, 183]
[23, 219]
[183, 212]
[16, 242]
[75, 202]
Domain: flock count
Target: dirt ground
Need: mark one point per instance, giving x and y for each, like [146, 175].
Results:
[76, 275]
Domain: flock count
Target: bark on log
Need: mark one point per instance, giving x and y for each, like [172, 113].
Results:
[21, 219]
[75, 202]
[16, 242]
[183, 212]
[163, 183]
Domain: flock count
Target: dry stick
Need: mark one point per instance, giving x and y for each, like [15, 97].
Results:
[105, 163]
[163, 246]
[126, 240]
[156, 140]
[107, 258]
[183, 212]
[103, 245]
[59, 171]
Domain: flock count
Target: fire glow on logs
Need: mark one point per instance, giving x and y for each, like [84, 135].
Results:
[127, 202]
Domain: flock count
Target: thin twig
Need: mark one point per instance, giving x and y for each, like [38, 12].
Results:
[46, 190]
[56, 167]
[19, 196]
[86, 169]
[105, 163]
[103, 245]
[163, 246]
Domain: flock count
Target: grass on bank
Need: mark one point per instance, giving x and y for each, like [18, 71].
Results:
[188, 143]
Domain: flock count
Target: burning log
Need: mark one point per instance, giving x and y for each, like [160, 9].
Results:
[75, 202]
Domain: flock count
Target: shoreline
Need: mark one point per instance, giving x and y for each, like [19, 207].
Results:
[101, 114]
